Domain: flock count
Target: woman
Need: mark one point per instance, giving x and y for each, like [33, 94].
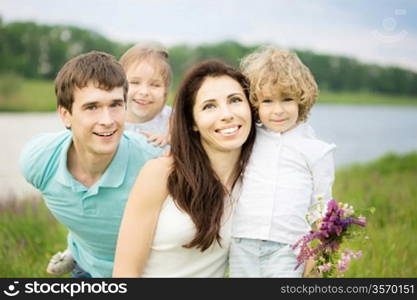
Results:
[177, 219]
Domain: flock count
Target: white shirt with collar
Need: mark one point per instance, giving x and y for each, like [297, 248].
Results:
[285, 175]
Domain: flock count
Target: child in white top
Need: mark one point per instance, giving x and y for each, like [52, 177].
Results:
[288, 169]
[149, 75]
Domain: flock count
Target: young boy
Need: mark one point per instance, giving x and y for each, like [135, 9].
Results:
[85, 174]
[288, 169]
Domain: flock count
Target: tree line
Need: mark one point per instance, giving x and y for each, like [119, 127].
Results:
[38, 51]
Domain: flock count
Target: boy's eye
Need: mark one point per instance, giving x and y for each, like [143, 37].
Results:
[134, 82]
[266, 101]
[288, 99]
[208, 106]
[90, 107]
[155, 84]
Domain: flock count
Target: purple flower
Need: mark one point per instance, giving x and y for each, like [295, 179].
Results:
[329, 236]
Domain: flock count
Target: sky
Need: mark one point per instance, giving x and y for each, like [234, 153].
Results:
[379, 31]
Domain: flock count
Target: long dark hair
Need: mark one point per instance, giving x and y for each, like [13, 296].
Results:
[193, 184]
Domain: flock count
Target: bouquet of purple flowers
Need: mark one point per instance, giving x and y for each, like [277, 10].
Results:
[323, 244]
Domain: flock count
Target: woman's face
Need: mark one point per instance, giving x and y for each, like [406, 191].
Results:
[222, 114]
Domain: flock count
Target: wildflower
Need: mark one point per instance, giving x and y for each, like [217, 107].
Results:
[335, 226]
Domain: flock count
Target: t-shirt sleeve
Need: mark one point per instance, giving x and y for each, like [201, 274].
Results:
[148, 150]
[34, 160]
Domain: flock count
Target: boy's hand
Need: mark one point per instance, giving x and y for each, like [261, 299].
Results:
[309, 269]
[159, 140]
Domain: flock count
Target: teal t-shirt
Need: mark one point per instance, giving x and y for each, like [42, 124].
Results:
[92, 215]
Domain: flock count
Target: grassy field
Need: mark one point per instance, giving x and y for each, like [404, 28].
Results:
[364, 98]
[30, 235]
[389, 185]
[38, 95]
[33, 95]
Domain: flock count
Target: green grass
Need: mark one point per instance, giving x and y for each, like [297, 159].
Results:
[367, 98]
[33, 95]
[38, 95]
[390, 186]
[29, 235]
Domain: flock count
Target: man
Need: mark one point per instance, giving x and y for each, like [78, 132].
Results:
[85, 173]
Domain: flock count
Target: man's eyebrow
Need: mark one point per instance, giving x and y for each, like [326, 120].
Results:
[89, 103]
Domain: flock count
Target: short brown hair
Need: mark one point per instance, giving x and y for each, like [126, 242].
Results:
[97, 67]
[281, 71]
[151, 52]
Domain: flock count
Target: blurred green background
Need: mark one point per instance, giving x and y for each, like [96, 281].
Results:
[31, 55]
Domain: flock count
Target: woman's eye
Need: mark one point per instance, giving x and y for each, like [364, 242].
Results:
[235, 100]
[134, 82]
[288, 99]
[266, 101]
[208, 106]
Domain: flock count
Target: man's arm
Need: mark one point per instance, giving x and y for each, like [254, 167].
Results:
[36, 156]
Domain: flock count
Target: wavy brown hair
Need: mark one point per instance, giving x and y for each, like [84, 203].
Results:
[193, 184]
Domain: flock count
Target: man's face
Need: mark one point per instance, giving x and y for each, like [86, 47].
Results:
[97, 120]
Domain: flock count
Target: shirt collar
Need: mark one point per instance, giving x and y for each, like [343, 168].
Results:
[112, 177]
[301, 130]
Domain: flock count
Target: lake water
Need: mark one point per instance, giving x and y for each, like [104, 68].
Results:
[364, 133]
[361, 133]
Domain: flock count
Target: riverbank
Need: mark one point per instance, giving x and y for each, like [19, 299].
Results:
[38, 96]
[19, 129]
[30, 235]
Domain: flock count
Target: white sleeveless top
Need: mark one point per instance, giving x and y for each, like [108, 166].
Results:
[168, 257]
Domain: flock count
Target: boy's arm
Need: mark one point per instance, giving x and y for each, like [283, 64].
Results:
[323, 173]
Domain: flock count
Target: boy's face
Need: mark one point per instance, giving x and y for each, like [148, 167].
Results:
[277, 111]
[147, 93]
[97, 119]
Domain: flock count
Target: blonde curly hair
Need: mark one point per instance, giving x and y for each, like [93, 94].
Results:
[280, 71]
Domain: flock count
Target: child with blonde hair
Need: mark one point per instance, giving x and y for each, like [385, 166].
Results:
[288, 170]
[149, 75]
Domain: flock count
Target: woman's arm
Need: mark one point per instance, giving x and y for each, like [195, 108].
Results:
[140, 218]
